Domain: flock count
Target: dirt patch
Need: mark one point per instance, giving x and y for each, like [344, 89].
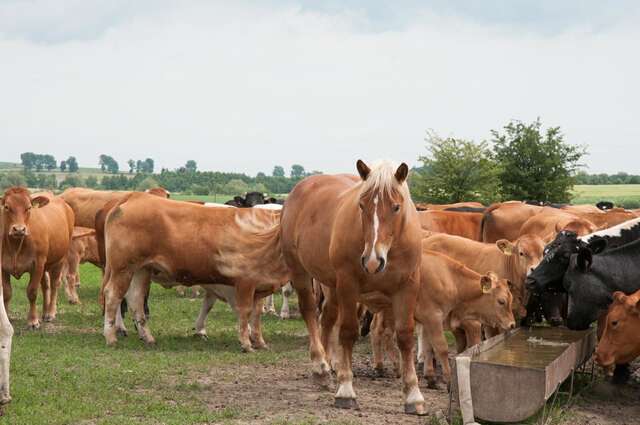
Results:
[286, 393]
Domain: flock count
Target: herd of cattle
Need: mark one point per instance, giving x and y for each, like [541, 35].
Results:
[356, 250]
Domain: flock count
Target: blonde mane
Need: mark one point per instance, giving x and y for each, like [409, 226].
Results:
[382, 179]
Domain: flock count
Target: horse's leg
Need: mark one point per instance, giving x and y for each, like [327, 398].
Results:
[328, 327]
[207, 303]
[347, 297]
[115, 288]
[135, 301]
[404, 306]
[302, 283]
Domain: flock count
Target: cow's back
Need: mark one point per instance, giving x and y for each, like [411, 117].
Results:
[52, 229]
[85, 203]
[504, 220]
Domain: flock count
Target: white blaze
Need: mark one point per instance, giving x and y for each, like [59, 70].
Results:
[376, 225]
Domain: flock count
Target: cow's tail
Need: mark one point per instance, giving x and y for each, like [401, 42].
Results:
[252, 250]
[487, 217]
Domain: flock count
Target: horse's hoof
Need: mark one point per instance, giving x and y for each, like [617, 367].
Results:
[323, 380]
[122, 332]
[379, 372]
[432, 383]
[418, 409]
[346, 403]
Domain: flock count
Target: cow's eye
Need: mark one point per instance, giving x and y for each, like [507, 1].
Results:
[522, 254]
[6, 207]
[501, 301]
[395, 208]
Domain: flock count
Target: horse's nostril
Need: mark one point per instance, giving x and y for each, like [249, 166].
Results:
[382, 262]
[363, 261]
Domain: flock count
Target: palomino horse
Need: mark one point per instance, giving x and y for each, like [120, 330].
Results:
[362, 239]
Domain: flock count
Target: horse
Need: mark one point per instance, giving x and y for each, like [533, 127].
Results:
[360, 237]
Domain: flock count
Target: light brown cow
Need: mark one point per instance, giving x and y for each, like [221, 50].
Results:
[465, 224]
[504, 220]
[620, 342]
[37, 233]
[608, 218]
[450, 294]
[86, 202]
[83, 249]
[172, 242]
[431, 207]
[548, 222]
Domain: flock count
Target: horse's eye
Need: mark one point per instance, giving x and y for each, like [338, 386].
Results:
[396, 208]
[614, 323]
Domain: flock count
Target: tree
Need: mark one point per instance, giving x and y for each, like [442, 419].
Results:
[12, 179]
[535, 164]
[278, 171]
[91, 182]
[72, 163]
[71, 181]
[132, 165]
[147, 166]
[108, 164]
[49, 162]
[235, 187]
[191, 166]
[148, 183]
[63, 165]
[297, 171]
[28, 160]
[455, 170]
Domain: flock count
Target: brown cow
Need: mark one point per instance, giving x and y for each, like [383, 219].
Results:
[608, 218]
[37, 234]
[83, 248]
[172, 242]
[620, 342]
[450, 293]
[86, 202]
[431, 207]
[465, 224]
[548, 222]
[504, 220]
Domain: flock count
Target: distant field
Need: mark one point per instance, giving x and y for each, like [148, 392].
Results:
[627, 195]
[206, 198]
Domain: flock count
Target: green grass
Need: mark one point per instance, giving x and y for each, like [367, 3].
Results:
[626, 195]
[64, 373]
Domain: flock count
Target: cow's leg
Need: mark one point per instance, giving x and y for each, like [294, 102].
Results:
[135, 301]
[55, 276]
[440, 349]
[7, 290]
[207, 303]
[181, 290]
[257, 341]
[420, 355]
[404, 306]
[244, 306]
[114, 290]
[72, 282]
[302, 283]
[269, 306]
[388, 338]
[121, 329]
[6, 337]
[346, 296]
[37, 277]
[286, 293]
[377, 343]
[473, 333]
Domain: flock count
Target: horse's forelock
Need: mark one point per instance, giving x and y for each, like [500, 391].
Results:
[382, 180]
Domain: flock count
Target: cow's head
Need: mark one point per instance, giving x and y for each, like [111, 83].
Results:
[577, 225]
[620, 342]
[16, 210]
[524, 256]
[252, 199]
[159, 191]
[383, 197]
[496, 303]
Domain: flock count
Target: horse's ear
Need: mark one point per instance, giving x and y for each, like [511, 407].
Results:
[39, 201]
[363, 169]
[402, 172]
[598, 245]
[585, 259]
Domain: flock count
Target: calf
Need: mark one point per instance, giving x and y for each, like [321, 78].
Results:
[620, 342]
[550, 221]
[37, 233]
[83, 248]
[450, 294]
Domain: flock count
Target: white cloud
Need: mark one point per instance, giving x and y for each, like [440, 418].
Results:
[244, 86]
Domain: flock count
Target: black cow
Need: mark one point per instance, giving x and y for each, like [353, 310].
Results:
[604, 205]
[249, 200]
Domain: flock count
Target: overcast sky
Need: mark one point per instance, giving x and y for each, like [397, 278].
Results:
[242, 86]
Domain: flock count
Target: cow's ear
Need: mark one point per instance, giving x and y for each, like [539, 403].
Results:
[485, 284]
[39, 201]
[619, 297]
[598, 245]
[402, 172]
[363, 169]
[584, 259]
[511, 286]
[505, 246]
[1, 200]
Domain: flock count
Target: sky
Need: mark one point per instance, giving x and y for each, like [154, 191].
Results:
[245, 85]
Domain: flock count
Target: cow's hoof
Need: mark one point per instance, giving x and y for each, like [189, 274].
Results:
[419, 409]
[5, 399]
[323, 380]
[346, 403]
[121, 332]
[202, 336]
[260, 345]
[432, 382]
[74, 301]
[111, 341]
[33, 326]
[48, 318]
[149, 341]
[379, 371]
[284, 316]
[247, 349]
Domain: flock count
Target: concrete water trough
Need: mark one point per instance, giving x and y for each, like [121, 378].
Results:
[508, 378]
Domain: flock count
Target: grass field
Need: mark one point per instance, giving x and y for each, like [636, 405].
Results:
[65, 374]
[627, 195]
